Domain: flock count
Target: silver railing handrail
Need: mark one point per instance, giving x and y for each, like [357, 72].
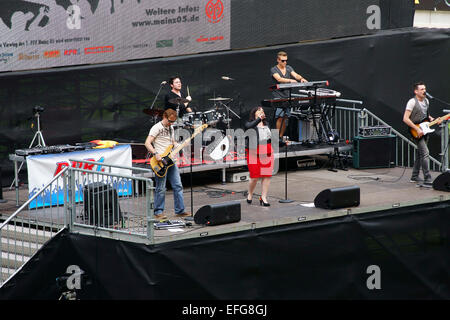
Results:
[30, 222]
[8, 220]
[404, 139]
[363, 115]
[149, 219]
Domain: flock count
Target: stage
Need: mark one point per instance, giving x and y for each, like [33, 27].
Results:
[380, 189]
[285, 251]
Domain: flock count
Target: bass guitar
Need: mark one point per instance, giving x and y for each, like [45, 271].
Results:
[425, 126]
[168, 157]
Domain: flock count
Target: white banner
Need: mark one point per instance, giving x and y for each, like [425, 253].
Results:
[43, 168]
[36, 34]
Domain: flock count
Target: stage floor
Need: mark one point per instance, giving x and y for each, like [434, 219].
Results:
[380, 189]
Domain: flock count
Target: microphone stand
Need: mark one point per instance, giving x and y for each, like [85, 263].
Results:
[157, 94]
[286, 200]
[443, 102]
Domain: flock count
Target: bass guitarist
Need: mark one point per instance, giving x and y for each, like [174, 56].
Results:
[416, 112]
[161, 137]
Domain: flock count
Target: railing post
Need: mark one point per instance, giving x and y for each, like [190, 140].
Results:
[444, 145]
[150, 209]
[70, 198]
[362, 117]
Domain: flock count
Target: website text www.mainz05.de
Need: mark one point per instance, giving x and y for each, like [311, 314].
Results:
[167, 16]
[165, 21]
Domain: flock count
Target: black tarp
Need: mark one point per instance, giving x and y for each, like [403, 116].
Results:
[322, 259]
[106, 102]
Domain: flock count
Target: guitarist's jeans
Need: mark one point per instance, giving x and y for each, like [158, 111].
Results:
[173, 175]
[422, 160]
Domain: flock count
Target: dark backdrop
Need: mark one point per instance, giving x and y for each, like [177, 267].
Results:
[106, 102]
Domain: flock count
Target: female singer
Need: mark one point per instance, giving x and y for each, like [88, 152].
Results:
[259, 154]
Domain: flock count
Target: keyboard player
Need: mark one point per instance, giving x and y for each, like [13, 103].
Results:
[283, 73]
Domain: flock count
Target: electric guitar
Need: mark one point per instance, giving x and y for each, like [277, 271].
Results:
[168, 157]
[425, 126]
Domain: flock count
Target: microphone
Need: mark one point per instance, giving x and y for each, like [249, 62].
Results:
[164, 82]
[227, 78]
[429, 95]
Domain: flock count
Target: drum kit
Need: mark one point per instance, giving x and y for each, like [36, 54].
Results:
[218, 120]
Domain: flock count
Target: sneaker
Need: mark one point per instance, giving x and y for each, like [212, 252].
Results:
[184, 214]
[427, 184]
[160, 216]
[415, 180]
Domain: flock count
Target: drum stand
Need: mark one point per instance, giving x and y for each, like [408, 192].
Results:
[228, 112]
[38, 137]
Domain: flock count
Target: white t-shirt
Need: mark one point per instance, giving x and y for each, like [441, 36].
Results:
[412, 102]
[264, 133]
[164, 137]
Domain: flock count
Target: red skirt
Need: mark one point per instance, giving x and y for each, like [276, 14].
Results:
[260, 161]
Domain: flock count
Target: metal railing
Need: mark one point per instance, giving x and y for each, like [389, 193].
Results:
[115, 203]
[348, 120]
[112, 202]
[38, 220]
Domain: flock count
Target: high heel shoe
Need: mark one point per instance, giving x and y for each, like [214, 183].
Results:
[262, 203]
[249, 201]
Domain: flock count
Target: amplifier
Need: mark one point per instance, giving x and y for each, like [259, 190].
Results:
[374, 131]
[374, 152]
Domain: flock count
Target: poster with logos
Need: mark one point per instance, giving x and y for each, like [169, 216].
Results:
[37, 34]
[43, 168]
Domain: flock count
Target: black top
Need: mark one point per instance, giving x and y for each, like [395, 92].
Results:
[167, 105]
[254, 125]
[282, 93]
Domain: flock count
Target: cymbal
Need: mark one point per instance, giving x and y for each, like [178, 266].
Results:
[219, 99]
[153, 112]
[178, 100]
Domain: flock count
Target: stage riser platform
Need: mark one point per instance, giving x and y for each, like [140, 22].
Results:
[324, 259]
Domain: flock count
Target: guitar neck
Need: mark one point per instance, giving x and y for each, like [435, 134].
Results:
[188, 140]
[181, 146]
[432, 123]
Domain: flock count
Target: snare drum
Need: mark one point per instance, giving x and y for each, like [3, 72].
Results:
[211, 117]
[190, 117]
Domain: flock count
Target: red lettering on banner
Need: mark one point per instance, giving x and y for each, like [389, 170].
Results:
[75, 164]
[60, 166]
[94, 50]
[89, 166]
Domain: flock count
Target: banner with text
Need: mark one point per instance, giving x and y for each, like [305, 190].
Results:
[43, 168]
[39, 34]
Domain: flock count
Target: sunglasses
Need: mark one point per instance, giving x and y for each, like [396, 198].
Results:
[283, 60]
[172, 121]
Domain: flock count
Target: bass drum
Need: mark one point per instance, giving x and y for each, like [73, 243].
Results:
[215, 145]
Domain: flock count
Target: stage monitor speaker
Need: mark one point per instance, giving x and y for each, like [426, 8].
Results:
[219, 213]
[101, 205]
[374, 152]
[336, 198]
[442, 182]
